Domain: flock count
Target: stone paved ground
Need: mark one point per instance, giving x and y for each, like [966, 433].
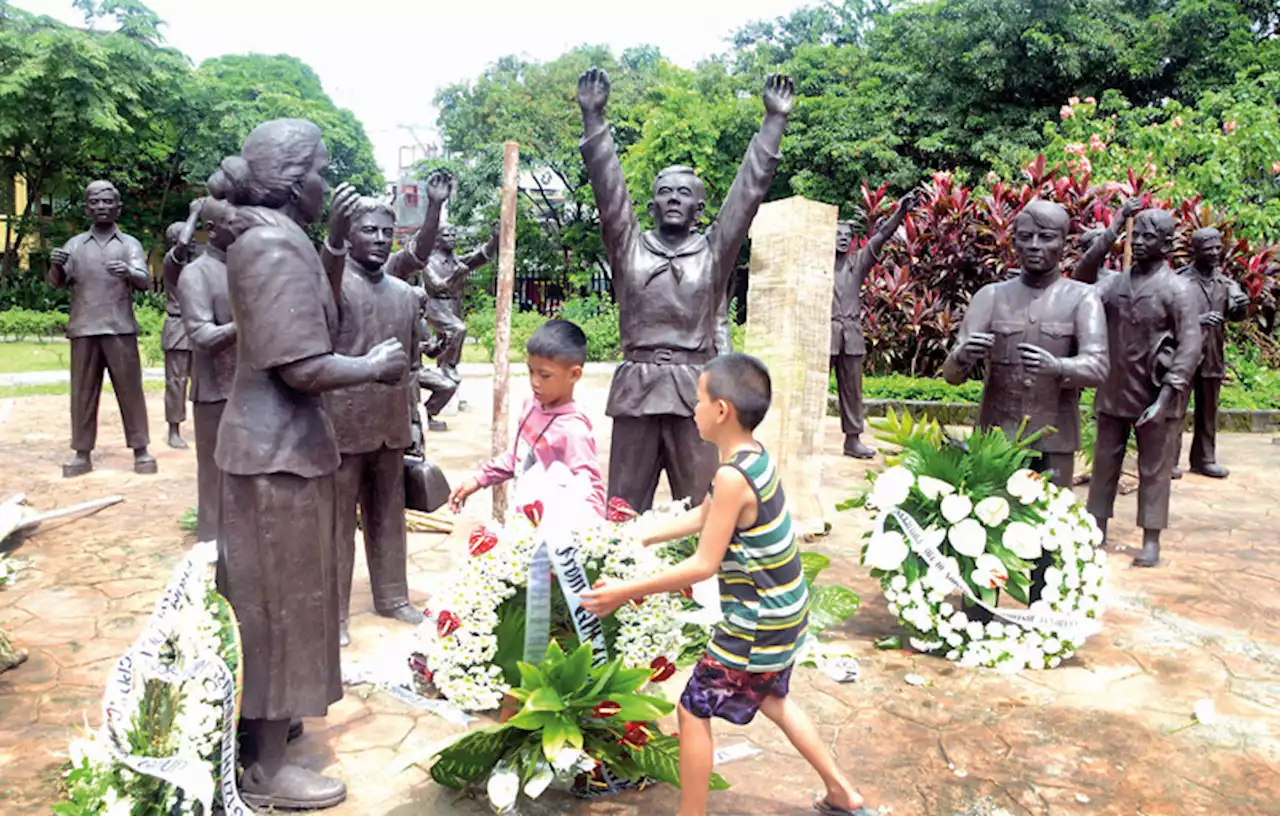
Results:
[1096, 736]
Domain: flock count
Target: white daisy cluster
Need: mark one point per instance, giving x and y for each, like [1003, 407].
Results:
[1075, 583]
[460, 648]
[96, 780]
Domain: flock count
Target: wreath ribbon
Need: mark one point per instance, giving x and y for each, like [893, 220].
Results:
[142, 662]
[558, 540]
[1069, 625]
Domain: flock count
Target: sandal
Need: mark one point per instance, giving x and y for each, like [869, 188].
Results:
[831, 810]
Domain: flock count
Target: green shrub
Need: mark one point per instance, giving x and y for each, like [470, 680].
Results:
[16, 324]
[150, 326]
[922, 389]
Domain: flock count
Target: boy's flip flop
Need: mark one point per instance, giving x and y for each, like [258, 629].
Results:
[831, 810]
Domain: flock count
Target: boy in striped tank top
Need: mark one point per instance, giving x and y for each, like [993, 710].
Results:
[746, 539]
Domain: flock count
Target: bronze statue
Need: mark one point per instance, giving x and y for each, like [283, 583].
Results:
[277, 561]
[1096, 244]
[373, 421]
[1153, 333]
[670, 284]
[435, 381]
[1218, 299]
[848, 346]
[179, 238]
[1044, 338]
[445, 279]
[206, 315]
[103, 267]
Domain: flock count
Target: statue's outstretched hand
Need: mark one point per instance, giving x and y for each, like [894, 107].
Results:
[342, 210]
[439, 184]
[593, 90]
[779, 94]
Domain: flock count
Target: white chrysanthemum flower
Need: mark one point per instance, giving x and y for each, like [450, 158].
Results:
[898, 583]
[892, 487]
[956, 507]
[933, 489]
[946, 610]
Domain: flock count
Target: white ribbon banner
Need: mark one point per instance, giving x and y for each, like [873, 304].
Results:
[142, 663]
[1071, 626]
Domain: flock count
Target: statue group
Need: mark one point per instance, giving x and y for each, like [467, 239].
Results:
[305, 372]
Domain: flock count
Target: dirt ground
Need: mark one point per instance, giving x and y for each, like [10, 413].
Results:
[1096, 736]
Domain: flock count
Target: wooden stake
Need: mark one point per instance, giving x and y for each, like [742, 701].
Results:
[502, 331]
[1128, 244]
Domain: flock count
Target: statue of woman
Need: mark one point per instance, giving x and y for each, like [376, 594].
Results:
[278, 455]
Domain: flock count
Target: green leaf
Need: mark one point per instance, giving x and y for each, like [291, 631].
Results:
[531, 677]
[510, 634]
[469, 759]
[531, 720]
[628, 681]
[603, 675]
[813, 564]
[571, 675]
[557, 732]
[660, 759]
[831, 606]
[891, 642]
[544, 699]
[1016, 591]
[641, 708]
[554, 656]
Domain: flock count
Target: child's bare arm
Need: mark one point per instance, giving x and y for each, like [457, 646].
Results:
[682, 526]
[733, 494]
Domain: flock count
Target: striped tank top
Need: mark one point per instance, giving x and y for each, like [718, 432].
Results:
[763, 594]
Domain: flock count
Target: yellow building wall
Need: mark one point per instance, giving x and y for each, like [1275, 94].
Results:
[8, 231]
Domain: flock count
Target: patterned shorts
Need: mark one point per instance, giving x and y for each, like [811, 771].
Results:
[716, 690]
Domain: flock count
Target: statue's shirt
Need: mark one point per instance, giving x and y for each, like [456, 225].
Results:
[1153, 332]
[846, 303]
[206, 305]
[1065, 318]
[668, 297]
[102, 303]
[1213, 294]
[374, 308]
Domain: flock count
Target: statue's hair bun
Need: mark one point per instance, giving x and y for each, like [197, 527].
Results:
[237, 179]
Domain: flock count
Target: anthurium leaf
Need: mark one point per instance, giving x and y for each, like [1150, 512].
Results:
[813, 563]
[603, 675]
[554, 656]
[556, 733]
[531, 720]
[531, 677]
[641, 708]
[571, 675]
[521, 694]
[544, 699]
[831, 606]
[628, 680]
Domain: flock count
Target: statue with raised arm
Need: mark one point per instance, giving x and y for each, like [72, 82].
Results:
[1217, 299]
[179, 239]
[1096, 244]
[277, 559]
[1153, 336]
[103, 268]
[670, 284]
[1044, 339]
[848, 346]
[205, 301]
[373, 421]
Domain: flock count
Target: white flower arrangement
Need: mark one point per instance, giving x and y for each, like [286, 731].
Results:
[200, 627]
[975, 517]
[460, 638]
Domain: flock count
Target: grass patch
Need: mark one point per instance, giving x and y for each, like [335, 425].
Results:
[33, 355]
[58, 389]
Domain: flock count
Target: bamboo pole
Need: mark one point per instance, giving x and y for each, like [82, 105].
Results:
[502, 331]
[1128, 244]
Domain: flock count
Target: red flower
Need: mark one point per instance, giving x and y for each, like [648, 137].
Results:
[605, 710]
[447, 624]
[687, 592]
[482, 545]
[418, 664]
[619, 510]
[533, 512]
[635, 735]
[662, 670]
[477, 534]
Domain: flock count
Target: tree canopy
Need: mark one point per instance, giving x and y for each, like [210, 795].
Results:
[83, 103]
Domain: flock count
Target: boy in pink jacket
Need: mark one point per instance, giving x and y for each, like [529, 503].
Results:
[552, 429]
